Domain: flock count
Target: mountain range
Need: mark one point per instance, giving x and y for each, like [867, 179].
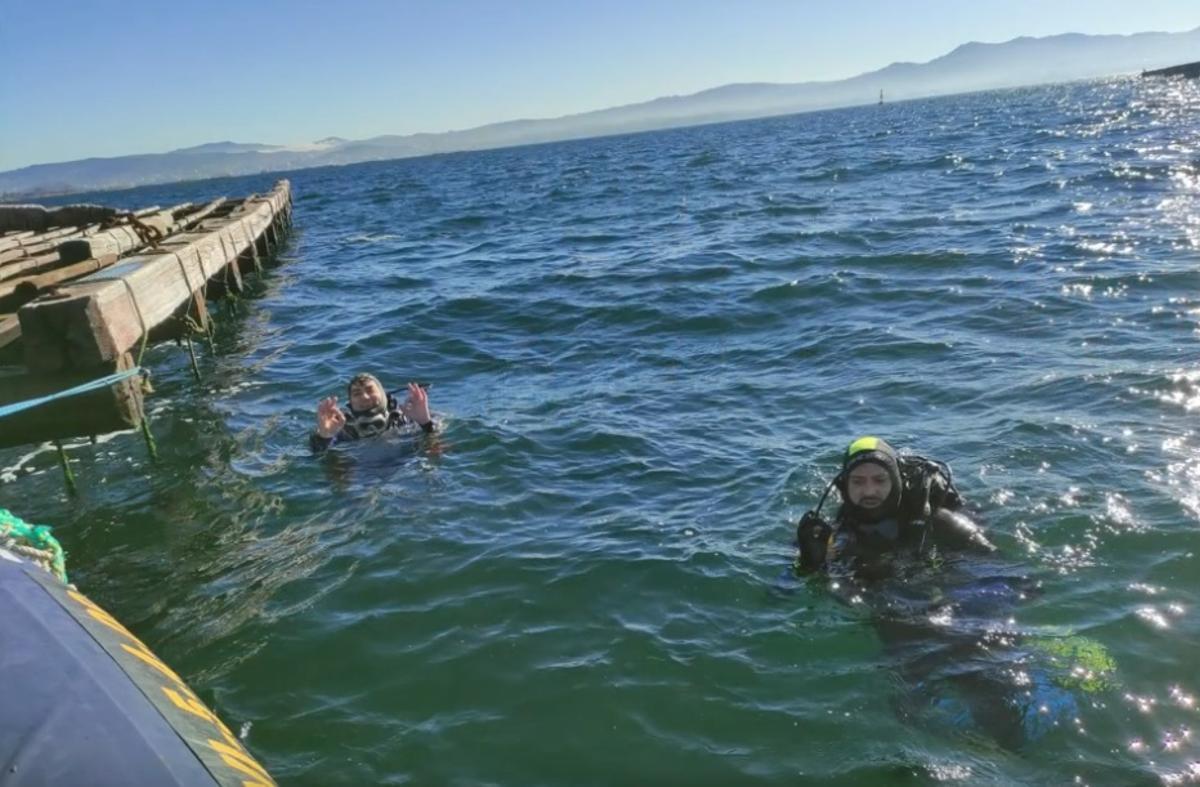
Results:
[970, 67]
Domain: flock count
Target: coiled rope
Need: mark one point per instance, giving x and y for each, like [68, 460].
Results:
[33, 542]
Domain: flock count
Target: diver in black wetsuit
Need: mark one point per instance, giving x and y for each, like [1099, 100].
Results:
[372, 411]
[940, 599]
[889, 502]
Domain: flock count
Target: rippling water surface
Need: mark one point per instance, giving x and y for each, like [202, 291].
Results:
[648, 352]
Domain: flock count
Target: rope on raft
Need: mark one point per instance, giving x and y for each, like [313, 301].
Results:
[33, 542]
[111, 379]
[16, 407]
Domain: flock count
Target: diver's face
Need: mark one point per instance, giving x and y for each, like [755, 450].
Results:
[366, 395]
[868, 485]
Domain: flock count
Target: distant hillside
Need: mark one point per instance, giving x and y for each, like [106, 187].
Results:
[970, 67]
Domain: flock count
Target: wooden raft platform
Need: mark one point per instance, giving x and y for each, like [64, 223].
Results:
[32, 263]
[1187, 71]
[88, 298]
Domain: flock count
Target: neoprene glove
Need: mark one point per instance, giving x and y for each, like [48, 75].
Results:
[812, 537]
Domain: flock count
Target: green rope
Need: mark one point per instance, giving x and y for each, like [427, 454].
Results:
[33, 541]
[149, 437]
[66, 467]
[192, 356]
[141, 320]
[191, 327]
[210, 327]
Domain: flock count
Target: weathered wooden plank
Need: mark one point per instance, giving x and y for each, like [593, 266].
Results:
[242, 232]
[37, 239]
[94, 320]
[117, 240]
[37, 218]
[109, 409]
[46, 242]
[57, 232]
[15, 293]
[231, 276]
[10, 329]
[13, 270]
[12, 240]
[192, 219]
[40, 248]
[52, 324]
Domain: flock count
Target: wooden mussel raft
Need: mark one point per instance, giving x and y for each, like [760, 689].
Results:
[100, 292]
[1185, 71]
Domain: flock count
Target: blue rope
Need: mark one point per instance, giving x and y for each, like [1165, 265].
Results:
[17, 407]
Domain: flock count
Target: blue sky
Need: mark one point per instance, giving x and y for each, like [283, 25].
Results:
[88, 78]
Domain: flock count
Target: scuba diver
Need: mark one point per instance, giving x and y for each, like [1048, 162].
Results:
[372, 412]
[889, 502]
[939, 597]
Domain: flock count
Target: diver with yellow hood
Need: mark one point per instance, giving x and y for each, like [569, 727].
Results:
[941, 599]
[889, 502]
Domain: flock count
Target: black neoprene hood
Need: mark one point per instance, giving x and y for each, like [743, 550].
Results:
[875, 451]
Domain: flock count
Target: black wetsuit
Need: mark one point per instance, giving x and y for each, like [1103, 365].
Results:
[367, 424]
[929, 517]
[940, 602]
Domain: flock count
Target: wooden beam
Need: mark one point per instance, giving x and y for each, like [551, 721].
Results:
[117, 240]
[59, 232]
[15, 293]
[10, 329]
[42, 244]
[190, 220]
[36, 218]
[23, 267]
[14, 239]
[41, 247]
[37, 239]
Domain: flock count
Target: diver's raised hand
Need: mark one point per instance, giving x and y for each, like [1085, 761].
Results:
[417, 407]
[330, 418]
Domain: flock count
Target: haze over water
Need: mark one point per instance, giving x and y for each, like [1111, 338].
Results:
[648, 352]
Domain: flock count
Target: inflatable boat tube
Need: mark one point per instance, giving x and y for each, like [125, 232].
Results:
[84, 701]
